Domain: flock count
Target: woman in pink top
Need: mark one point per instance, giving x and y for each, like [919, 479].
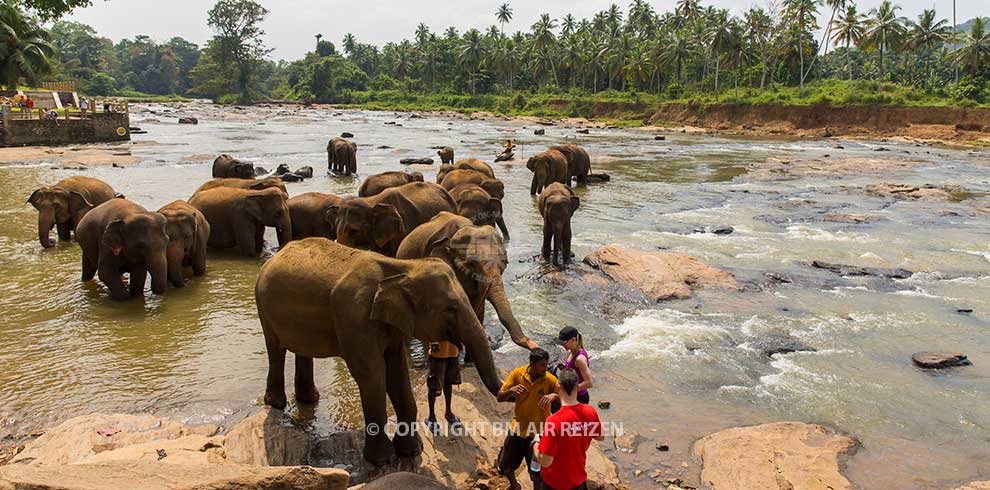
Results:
[577, 359]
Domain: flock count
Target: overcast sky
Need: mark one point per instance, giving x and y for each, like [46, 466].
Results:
[291, 24]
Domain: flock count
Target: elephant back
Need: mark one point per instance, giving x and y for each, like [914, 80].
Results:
[419, 243]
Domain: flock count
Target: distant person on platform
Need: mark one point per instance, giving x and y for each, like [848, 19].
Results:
[83, 106]
[533, 389]
[445, 372]
[562, 447]
[30, 104]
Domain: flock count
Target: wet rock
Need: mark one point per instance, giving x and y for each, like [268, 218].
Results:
[259, 171]
[853, 219]
[964, 310]
[722, 230]
[774, 278]
[583, 131]
[539, 132]
[939, 360]
[881, 149]
[660, 137]
[384, 147]
[596, 178]
[416, 161]
[305, 172]
[926, 192]
[404, 480]
[291, 177]
[628, 442]
[774, 344]
[188, 120]
[604, 405]
[852, 270]
[976, 485]
[266, 439]
[660, 275]
[390, 123]
[282, 169]
[662, 447]
[789, 455]
[345, 134]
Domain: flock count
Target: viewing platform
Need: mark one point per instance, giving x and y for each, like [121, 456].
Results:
[58, 118]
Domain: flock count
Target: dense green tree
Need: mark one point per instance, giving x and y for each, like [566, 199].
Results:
[25, 51]
[238, 39]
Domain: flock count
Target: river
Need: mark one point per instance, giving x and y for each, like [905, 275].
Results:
[674, 371]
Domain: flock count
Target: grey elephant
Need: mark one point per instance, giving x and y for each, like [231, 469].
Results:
[557, 205]
[375, 184]
[226, 166]
[238, 217]
[188, 233]
[477, 205]
[64, 204]
[317, 298]
[465, 164]
[494, 187]
[477, 256]
[341, 156]
[548, 167]
[244, 184]
[446, 154]
[119, 237]
[578, 163]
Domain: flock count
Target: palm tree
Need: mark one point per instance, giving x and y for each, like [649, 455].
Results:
[758, 26]
[848, 31]
[719, 34]
[25, 51]
[925, 36]
[800, 14]
[349, 44]
[676, 53]
[504, 15]
[974, 54]
[567, 25]
[544, 40]
[471, 53]
[885, 29]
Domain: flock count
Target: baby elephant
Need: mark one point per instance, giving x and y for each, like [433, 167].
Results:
[375, 184]
[446, 155]
[188, 233]
[226, 166]
[557, 205]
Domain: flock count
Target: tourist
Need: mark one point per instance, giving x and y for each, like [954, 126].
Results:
[53, 116]
[83, 106]
[577, 359]
[30, 104]
[445, 372]
[562, 447]
[533, 390]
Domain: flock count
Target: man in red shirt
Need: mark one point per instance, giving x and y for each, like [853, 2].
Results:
[562, 447]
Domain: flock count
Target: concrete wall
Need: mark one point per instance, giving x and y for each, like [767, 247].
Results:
[97, 128]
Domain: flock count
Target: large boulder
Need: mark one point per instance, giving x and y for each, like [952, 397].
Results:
[977, 485]
[660, 275]
[266, 439]
[789, 455]
[925, 192]
[83, 437]
[145, 475]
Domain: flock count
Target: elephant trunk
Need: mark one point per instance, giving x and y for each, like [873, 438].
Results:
[46, 220]
[500, 221]
[284, 229]
[496, 296]
[174, 255]
[535, 185]
[158, 267]
[472, 334]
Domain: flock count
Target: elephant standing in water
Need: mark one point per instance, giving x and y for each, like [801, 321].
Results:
[314, 214]
[238, 217]
[477, 205]
[578, 162]
[188, 233]
[226, 166]
[379, 223]
[375, 184]
[245, 184]
[477, 256]
[65, 203]
[548, 167]
[317, 298]
[494, 187]
[341, 156]
[557, 205]
[446, 155]
[120, 236]
[466, 164]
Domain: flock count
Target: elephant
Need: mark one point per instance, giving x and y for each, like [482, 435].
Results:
[466, 164]
[446, 155]
[548, 167]
[188, 233]
[245, 184]
[494, 187]
[317, 298]
[380, 222]
[477, 256]
[341, 156]
[238, 217]
[557, 205]
[226, 166]
[477, 205]
[314, 214]
[120, 236]
[578, 162]
[375, 184]
[65, 203]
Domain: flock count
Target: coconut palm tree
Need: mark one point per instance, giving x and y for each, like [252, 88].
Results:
[25, 51]
[849, 30]
[676, 53]
[800, 15]
[719, 36]
[925, 36]
[471, 53]
[885, 30]
[544, 41]
[758, 28]
[349, 44]
[974, 53]
[504, 15]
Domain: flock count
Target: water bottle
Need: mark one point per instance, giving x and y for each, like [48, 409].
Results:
[534, 466]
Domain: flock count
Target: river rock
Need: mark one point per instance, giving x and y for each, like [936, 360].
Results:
[660, 275]
[291, 177]
[282, 169]
[583, 131]
[80, 438]
[266, 439]
[939, 359]
[628, 442]
[259, 171]
[404, 480]
[304, 172]
[188, 120]
[416, 161]
[774, 344]
[539, 132]
[345, 134]
[660, 137]
[852, 270]
[783, 455]
[594, 178]
[926, 192]
[147, 475]
[976, 485]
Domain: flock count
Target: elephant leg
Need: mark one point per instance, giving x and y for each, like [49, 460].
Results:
[259, 239]
[567, 243]
[88, 269]
[306, 391]
[198, 261]
[246, 241]
[275, 384]
[547, 235]
[369, 372]
[138, 277]
[111, 278]
[64, 231]
[406, 440]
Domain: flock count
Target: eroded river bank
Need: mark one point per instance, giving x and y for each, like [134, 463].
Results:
[673, 371]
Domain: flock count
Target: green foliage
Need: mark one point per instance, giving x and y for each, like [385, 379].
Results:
[237, 42]
[50, 9]
[24, 48]
[102, 84]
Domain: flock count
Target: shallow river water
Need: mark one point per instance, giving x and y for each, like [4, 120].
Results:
[674, 371]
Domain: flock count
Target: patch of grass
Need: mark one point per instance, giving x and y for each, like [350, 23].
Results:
[980, 143]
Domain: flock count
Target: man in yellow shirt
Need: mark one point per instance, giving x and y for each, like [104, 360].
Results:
[445, 372]
[533, 390]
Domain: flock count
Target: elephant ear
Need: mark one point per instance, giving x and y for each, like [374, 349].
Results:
[330, 216]
[531, 164]
[575, 203]
[35, 197]
[388, 225]
[495, 205]
[494, 188]
[113, 236]
[254, 206]
[393, 304]
[440, 248]
[78, 201]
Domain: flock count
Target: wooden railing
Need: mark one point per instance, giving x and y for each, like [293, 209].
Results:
[68, 86]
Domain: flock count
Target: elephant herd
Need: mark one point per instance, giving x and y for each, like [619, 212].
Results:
[355, 277]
